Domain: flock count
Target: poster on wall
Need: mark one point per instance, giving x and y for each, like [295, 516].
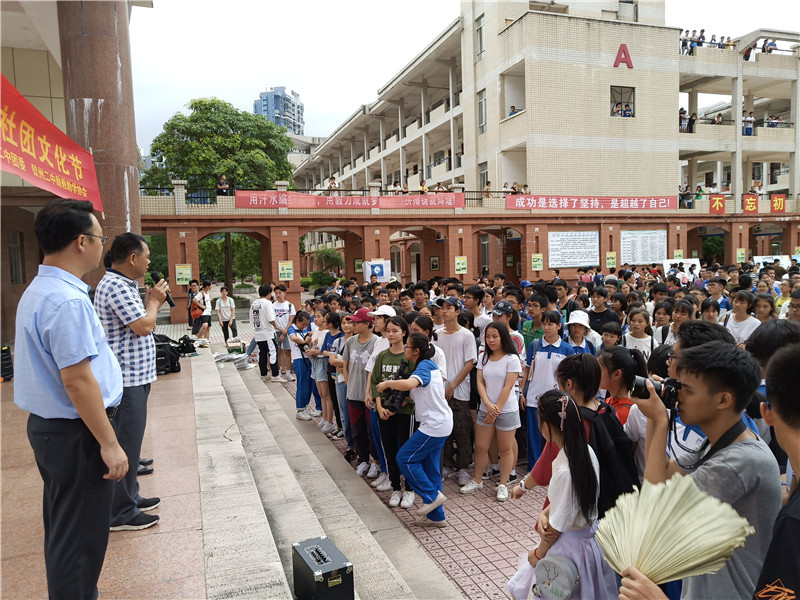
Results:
[643, 247]
[573, 249]
[741, 255]
[183, 274]
[784, 260]
[285, 270]
[382, 269]
[461, 265]
[611, 260]
[537, 262]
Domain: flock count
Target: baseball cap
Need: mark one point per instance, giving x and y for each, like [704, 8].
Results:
[384, 311]
[525, 283]
[503, 308]
[578, 317]
[361, 315]
[449, 300]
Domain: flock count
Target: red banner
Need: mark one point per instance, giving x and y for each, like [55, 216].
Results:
[777, 203]
[42, 154]
[750, 203]
[275, 199]
[716, 204]
[518, 202]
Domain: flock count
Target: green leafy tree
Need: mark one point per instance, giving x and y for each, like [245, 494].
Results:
[714, 248]
[212, 256]
[329, 258]
[216, 138]
[246, 254]
[158, 254]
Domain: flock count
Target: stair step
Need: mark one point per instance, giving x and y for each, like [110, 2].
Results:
[388, 561]
[241, 558]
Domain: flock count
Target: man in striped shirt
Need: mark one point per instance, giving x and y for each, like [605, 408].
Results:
[129, 324]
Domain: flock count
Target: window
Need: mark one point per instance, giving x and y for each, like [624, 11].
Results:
[622, 101]
[15, 256]
[483, 174]
[479, 40]
[482, 111]
[484, 251]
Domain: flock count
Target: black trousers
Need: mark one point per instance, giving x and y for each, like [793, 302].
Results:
[265, 350]
[76, 506]
[395, 432]
[225, 326]
[131, 421]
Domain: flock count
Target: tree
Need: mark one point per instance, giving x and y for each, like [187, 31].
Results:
[212, 256]
[158, 254]
[246, 254]
[329, 258]
[714, 248]
[216, 138]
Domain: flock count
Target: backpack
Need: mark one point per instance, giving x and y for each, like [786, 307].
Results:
[168, 359]
[664, 331]
[618, 474]
[185, 346]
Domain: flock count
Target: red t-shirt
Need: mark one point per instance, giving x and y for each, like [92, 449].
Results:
[622, 406]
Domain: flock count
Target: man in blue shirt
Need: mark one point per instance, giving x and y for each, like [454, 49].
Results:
[129, 325]
[70, 382]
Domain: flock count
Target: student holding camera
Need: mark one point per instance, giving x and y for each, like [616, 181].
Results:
[419, 458]
[394, 408]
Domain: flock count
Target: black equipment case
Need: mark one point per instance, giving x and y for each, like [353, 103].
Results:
[321, 571]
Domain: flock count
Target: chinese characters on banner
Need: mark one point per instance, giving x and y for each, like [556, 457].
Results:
[716, 204]
[749, 203]
[40, 153]
[274, 199]
[777, 203]
[516, 202]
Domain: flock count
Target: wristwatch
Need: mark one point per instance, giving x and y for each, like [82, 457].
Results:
[522, 484]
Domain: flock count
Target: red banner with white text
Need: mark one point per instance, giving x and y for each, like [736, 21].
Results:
[41, 154]
[275, 199]
[612, 203]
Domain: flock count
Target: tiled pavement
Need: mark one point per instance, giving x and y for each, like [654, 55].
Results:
[479, 550]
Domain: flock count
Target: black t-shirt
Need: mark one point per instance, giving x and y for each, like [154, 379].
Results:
[222, 191]
[598, 319]
[567, 309]
[781, 570]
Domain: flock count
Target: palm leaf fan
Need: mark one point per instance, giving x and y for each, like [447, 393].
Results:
[671, 531]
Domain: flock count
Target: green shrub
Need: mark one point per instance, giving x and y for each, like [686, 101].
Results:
[305, 282]
[239, 286]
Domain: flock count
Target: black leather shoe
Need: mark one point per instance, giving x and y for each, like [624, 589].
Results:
[146, 461]
[144, 470]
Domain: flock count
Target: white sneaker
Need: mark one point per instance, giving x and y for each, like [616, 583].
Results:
[312, 411]
[394, 501]
[385, 486]
[374, 471]
[471, 486]
[463, 477]
[502, 493]
[447, 473]
[321, 423]
[408, 500]
[426, 508]
[302, 416]
[380, 480]
[289, 376]
[362, 469]
[279, 379]
[266, 378]
[328, 428]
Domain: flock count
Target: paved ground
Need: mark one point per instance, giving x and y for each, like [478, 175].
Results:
[478, 551]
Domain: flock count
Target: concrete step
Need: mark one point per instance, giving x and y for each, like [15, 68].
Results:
[241, 558]
[388, 561]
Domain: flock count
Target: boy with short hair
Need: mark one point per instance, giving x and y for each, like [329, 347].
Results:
[717, 381]
[284, 311]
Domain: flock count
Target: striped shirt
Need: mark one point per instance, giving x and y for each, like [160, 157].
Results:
[118, 304]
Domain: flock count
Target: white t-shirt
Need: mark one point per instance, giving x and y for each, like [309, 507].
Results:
[431, 409]
[494, 378]
[261, 315]
[381, 344]
[205, 299]
[565, 510]
[481, 321]
[283, 313]
[440, 360]
[645, 344]
[458, 347]
[225, 308]
[741, 330]
[296, 353]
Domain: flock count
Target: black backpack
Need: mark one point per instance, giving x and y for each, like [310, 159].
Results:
[614, 453]
[168, 359]
[185, 345]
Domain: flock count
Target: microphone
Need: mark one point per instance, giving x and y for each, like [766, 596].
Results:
[156, 278]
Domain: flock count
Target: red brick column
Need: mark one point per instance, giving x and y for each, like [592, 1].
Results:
[181, 249]
[284, 243]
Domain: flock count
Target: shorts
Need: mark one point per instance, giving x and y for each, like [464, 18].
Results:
[198, 323]
[505, 421]
[284, 345]
[319, 369]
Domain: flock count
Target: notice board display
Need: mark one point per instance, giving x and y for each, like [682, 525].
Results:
[643, 247]
[573, 249]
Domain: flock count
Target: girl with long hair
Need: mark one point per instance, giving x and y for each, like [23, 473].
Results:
[419, 459]
[319, 371]
[567, 526]
[639, 334]
[498, 371]
[619, 367]
[299, 339]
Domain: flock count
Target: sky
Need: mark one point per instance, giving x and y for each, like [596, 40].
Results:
[335, 53]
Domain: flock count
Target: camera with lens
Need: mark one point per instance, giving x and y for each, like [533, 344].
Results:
[667, 390]
[392, 399]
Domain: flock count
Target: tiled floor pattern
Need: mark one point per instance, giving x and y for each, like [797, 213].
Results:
[164, 561]
[479, 550]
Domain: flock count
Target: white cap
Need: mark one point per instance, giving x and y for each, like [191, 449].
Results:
[383, 310]
[579, 317]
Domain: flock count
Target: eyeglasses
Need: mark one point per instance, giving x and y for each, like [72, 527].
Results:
[103, 238]
[672, 356]
[793, 306]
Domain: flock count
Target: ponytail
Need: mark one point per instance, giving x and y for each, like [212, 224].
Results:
[419, 341]
[559, 411]
[628, 360]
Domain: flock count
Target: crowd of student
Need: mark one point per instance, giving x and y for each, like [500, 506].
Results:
[434, 380]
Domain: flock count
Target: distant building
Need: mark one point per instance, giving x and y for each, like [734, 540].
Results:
[304, 145]
[282, 107]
